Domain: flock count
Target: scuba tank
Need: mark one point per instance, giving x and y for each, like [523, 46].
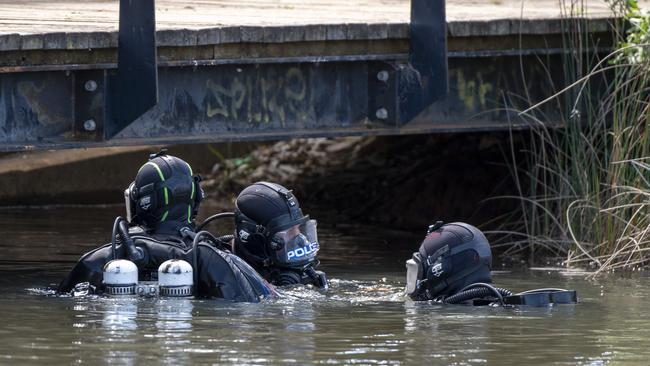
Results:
[175, 279]
[213, 273]
[120, 276]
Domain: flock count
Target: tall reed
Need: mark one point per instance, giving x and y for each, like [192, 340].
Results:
[585, 187]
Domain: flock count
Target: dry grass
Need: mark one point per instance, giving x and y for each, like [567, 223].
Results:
[585, 188]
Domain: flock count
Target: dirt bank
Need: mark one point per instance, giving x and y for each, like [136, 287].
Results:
[89, 176]
[401, 181]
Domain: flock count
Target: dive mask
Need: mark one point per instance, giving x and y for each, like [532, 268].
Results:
[295, 246]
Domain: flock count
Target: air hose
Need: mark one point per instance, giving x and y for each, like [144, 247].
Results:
[225, 239]
[196, 238]
[218, 216]
[286, 278]
[187, 232]
[121, 227]
[477, 291]
[114, 236]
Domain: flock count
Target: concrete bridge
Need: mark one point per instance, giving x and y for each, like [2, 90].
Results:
[264, 69]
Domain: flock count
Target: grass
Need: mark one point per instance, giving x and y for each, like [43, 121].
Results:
[584, 189]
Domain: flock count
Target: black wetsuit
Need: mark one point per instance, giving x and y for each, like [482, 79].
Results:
[219, 274]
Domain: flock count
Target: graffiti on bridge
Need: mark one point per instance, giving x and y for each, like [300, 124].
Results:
[261, 97]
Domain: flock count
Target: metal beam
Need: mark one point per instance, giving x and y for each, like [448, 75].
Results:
[142, 103]
[394, 94]
[428, 58]
[134, 89]
[227, 102]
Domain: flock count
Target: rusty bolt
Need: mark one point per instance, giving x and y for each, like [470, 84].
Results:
[382, 76]
[90, 85]
[90, 125]
[381, 113]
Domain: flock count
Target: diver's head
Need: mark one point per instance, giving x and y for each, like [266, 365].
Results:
[451, 257]
[272, 234]
[164, 196]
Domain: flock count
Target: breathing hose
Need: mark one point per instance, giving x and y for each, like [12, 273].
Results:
[225, 239]
[196, 238]
[121, 227]
[217, 240]
[187, 232]
[218, 216]
[114, 236]
[477, 291]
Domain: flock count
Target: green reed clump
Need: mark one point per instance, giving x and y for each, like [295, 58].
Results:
[585, 188]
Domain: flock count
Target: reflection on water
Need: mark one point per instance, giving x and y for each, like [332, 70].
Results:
[362, 319]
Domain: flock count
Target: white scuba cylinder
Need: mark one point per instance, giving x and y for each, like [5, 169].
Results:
[120, 277]
[175, 278]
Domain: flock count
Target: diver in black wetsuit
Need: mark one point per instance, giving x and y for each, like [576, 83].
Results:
[273, 235]
[162, 203]
[453, 266]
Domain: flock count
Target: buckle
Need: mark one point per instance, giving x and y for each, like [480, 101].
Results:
[435, 227]
[162, 152]
[259, 229]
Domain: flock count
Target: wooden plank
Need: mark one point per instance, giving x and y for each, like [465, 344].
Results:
[191, 22]
[67, 32]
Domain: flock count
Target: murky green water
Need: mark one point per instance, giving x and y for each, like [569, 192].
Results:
[362, 319]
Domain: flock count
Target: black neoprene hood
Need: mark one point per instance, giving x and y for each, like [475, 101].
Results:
[454, 256]
[264, 213]
[270, 205]
[165, 193]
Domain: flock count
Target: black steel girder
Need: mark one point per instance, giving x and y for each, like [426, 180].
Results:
[142, 102]
[234, 101]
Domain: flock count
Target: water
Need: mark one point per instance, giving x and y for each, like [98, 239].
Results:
[362, 319]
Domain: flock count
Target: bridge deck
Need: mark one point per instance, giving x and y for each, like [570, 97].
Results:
[263, 69]
[33, 16]
[345, 26]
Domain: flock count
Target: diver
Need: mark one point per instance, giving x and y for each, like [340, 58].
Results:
[161, 205]
[274, 237]
[453, 266]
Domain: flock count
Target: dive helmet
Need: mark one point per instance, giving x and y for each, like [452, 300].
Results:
[164, 193]
[451, 257]
[271, 230]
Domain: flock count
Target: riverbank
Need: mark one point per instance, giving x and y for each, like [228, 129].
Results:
[398, 181]
[405, 182]
[89, 176]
